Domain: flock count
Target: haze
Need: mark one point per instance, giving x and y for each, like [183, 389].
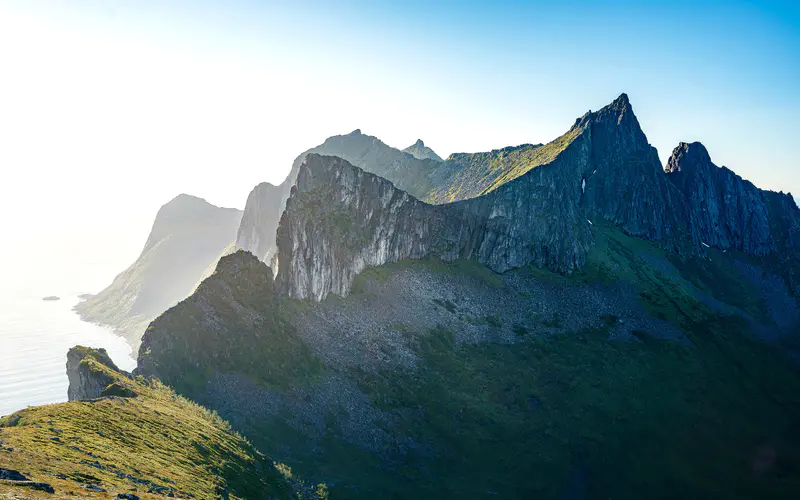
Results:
[110, 109]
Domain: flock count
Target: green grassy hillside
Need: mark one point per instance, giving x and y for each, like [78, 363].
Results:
[152, 443]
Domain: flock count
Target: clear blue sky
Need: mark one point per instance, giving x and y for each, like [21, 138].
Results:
[124, 104]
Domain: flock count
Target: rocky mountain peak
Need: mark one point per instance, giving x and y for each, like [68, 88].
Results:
[421, 151]
[688, 155]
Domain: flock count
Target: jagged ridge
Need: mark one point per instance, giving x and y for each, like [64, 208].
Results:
[341, 219]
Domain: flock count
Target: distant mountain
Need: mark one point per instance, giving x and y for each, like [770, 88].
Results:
[422, 152]
[188, 236]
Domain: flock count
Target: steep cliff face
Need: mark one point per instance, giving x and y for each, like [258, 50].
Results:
[188, 235]
[341, 219]
[784, 222]
[88, 373]
[260, 220]
[603, 164]
[422, 152]
[623, 180]
[266, 202]
[727, 211]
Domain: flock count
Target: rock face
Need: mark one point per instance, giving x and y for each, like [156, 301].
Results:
[85, 380]
[531, 204]
[726, 210]
[422, 152]
[266, 202]
[624, 180]
[341, 219]
[188, 235]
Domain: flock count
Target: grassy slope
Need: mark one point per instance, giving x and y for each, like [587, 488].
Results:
[479, 173]
[712, 418]
[155, 442]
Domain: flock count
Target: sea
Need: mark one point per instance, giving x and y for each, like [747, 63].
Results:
[35, 334]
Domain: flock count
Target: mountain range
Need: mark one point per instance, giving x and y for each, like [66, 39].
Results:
[561, 320]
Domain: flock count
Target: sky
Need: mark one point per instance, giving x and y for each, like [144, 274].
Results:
[108, 109]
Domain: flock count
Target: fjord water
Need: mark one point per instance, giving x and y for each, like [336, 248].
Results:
[34, 338]
[36, 334]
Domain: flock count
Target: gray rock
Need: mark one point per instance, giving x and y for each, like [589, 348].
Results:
[34, 485]
[726, 210]
[266, 202]
[85, 382]
[12, 475]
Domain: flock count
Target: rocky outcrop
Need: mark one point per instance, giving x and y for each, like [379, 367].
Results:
[726, 210]
[422, 152]
[188, 235]
[88, 374]
[14, 479]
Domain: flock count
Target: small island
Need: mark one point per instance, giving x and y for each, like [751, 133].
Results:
[51, 298]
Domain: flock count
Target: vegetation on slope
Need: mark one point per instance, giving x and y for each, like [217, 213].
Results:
[580, 412]
[151, 443]
[479, 173]
[233, 323]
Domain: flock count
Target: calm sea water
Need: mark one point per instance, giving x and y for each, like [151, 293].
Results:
[35, 335]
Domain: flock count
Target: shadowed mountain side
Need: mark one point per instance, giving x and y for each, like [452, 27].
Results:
[188, 235]
[441, 371]
[729, 212]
